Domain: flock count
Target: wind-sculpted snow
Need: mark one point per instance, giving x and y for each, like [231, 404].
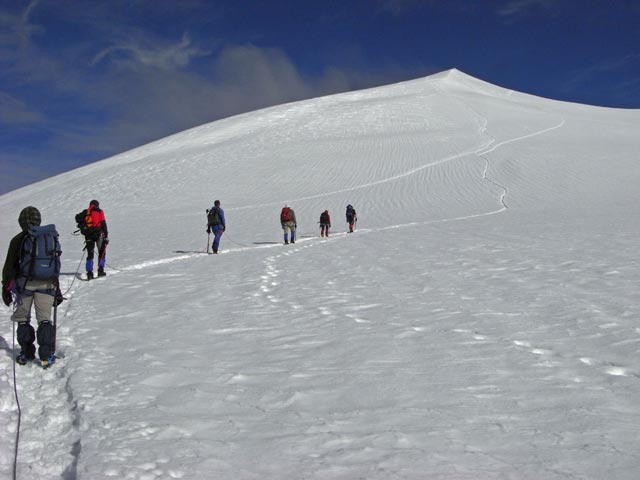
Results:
[480, 323]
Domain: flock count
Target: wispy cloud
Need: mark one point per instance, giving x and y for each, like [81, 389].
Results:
[400, 7]
[15, 111]
[612, 69]
[519, 8]
[17, 28]
[153, 54]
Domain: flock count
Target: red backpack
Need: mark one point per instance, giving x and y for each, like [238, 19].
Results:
[285, 215]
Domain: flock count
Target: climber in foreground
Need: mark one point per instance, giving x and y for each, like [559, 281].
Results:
[30, 277]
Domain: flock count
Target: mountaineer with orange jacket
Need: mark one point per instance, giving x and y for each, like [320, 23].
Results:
[93, 226]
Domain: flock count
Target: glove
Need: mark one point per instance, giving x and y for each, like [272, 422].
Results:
[7, 298]
[223, 229]
[208, 230]
[106, 241]
[58, 298]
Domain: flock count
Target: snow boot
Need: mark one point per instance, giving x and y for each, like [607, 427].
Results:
[101, 272]
[89, 275]
[22, 359]
[50, 360]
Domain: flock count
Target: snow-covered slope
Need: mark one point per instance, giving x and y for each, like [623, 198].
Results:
[482, 322]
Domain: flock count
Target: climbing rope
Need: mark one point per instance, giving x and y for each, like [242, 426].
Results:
[15, 391]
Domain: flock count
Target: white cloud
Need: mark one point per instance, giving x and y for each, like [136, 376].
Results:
[516, 8]
[14, 111]
[154, 54]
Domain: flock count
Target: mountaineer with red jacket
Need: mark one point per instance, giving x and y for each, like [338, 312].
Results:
[325, 223]
[93, 226]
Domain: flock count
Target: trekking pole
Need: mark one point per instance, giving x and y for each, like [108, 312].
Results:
[208, 231]
[55, 327]
[103, 256]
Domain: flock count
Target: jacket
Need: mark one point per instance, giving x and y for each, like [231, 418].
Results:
[220, 222]
[99, 223]
[11, 268]
[325, 219]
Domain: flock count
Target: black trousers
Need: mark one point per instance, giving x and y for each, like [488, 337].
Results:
[92, 243]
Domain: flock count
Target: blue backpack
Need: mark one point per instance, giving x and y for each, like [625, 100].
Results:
[40, 254]
[350, 211]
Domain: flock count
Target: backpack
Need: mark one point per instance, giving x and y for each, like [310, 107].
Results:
[40, 254]
[324, 218]
[285, 215]
[213, 216]
[85, 222]
[350, 210]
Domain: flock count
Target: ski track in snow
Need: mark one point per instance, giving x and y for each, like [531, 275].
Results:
[481, 152]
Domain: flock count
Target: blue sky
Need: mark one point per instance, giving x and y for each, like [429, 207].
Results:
[81, 80]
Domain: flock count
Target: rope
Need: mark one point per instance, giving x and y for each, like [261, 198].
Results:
[75, 275]
[113, 268]
[15, 391]
[232, 241]
[15, 381]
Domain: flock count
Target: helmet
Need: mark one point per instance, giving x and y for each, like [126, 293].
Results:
[95, 203]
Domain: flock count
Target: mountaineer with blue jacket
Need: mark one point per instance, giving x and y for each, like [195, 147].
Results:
[216, 224]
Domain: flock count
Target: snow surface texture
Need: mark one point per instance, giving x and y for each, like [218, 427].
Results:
[481, 323]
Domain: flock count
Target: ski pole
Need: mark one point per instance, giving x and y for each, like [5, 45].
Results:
[55, 326]
[208, 231]
[103, 256]
[57, 301]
